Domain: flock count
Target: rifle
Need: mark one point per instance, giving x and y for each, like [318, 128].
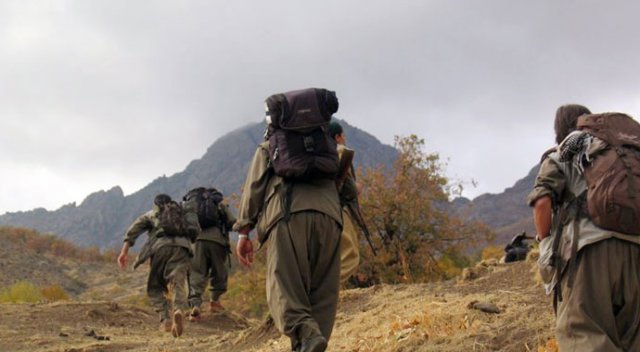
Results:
[356, 215]
[346, 161]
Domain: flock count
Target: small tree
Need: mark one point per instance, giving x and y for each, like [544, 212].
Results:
[407, 205]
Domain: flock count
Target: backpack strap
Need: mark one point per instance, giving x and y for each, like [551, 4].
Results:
[288, 199]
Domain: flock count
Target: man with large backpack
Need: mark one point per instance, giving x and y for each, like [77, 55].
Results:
[587, 217]
[169, 249]
[290, 197]
[212, 248]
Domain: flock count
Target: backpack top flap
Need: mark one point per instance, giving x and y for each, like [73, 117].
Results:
[617, 129]
[301, 109]
[205, 202]
[172, 219]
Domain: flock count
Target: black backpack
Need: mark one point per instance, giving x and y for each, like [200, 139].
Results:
[172, 219]
[300, 147]
[206, 203]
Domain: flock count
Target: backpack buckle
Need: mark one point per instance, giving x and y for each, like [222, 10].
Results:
[309, 144]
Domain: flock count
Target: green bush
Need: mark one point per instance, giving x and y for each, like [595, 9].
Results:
[21, 292]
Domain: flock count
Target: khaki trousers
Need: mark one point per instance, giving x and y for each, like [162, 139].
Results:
[169, 268]
[601, 311]
[303, 274]
[208, 264]
[349, 251]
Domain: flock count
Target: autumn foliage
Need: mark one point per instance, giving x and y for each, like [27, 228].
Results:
[405, 206]
[32, 240]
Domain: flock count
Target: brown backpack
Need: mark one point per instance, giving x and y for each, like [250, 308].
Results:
[613, 178]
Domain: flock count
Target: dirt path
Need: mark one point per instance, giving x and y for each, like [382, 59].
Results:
[428, 317]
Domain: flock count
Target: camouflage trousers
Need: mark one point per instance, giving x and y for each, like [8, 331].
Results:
[600, 310]
[208, 264]
[169, 268]
[303, 275]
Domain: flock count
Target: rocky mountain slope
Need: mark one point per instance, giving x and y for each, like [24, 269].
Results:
[101, 219]
[506, 213]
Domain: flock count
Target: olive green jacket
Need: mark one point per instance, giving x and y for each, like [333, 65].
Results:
[263, 197]
[349, 191]
[150, 223]
[214, 233]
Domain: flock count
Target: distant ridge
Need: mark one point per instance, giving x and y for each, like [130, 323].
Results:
[102, 217]
[506, 213]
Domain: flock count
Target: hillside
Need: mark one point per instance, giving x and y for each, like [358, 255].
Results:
[101, 219]
[505, 213]
[424, 317]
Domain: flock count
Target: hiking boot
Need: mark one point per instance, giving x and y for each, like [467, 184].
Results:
[195, 315]
[314, 344]
[215, 307]
[178, 324]
[165, 325]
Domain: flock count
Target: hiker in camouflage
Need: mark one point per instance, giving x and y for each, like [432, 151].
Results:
[170, 260]
[594, 273]
[211, 257]
[301, 222]
[349, 251]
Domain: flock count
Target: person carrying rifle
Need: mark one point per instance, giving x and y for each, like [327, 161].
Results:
[348, 191]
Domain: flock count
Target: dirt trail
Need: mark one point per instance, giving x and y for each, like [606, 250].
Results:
[427, 317]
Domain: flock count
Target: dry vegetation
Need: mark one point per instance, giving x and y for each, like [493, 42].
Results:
[405, 317]
[426, 297]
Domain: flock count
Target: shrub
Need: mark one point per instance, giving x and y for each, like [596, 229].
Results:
[54, 293]
[492, 252]
[21, 292]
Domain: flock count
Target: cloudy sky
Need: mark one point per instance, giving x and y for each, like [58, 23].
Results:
[95, 94]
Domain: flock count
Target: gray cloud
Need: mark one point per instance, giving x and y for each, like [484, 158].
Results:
[99, 93]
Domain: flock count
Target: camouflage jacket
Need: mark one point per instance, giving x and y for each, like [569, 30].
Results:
[150, 223]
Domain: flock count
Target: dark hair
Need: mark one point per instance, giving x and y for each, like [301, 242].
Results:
[335, 129]
[161, 199]
[566, 119]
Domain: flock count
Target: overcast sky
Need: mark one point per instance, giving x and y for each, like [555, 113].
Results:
[95, 94]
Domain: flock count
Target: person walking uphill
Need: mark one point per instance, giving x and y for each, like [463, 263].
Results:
[211, 250]
[348, 191]
[290, 197]
[590, 243]
[169, 249]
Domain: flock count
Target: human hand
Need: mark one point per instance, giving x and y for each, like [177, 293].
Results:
[244, 251]
[123, 260]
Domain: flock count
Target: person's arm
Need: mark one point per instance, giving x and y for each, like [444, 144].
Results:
[542, 212]
[251, 204]
[549, 185]
[123, 258]
[140, 225]
[244, 247]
